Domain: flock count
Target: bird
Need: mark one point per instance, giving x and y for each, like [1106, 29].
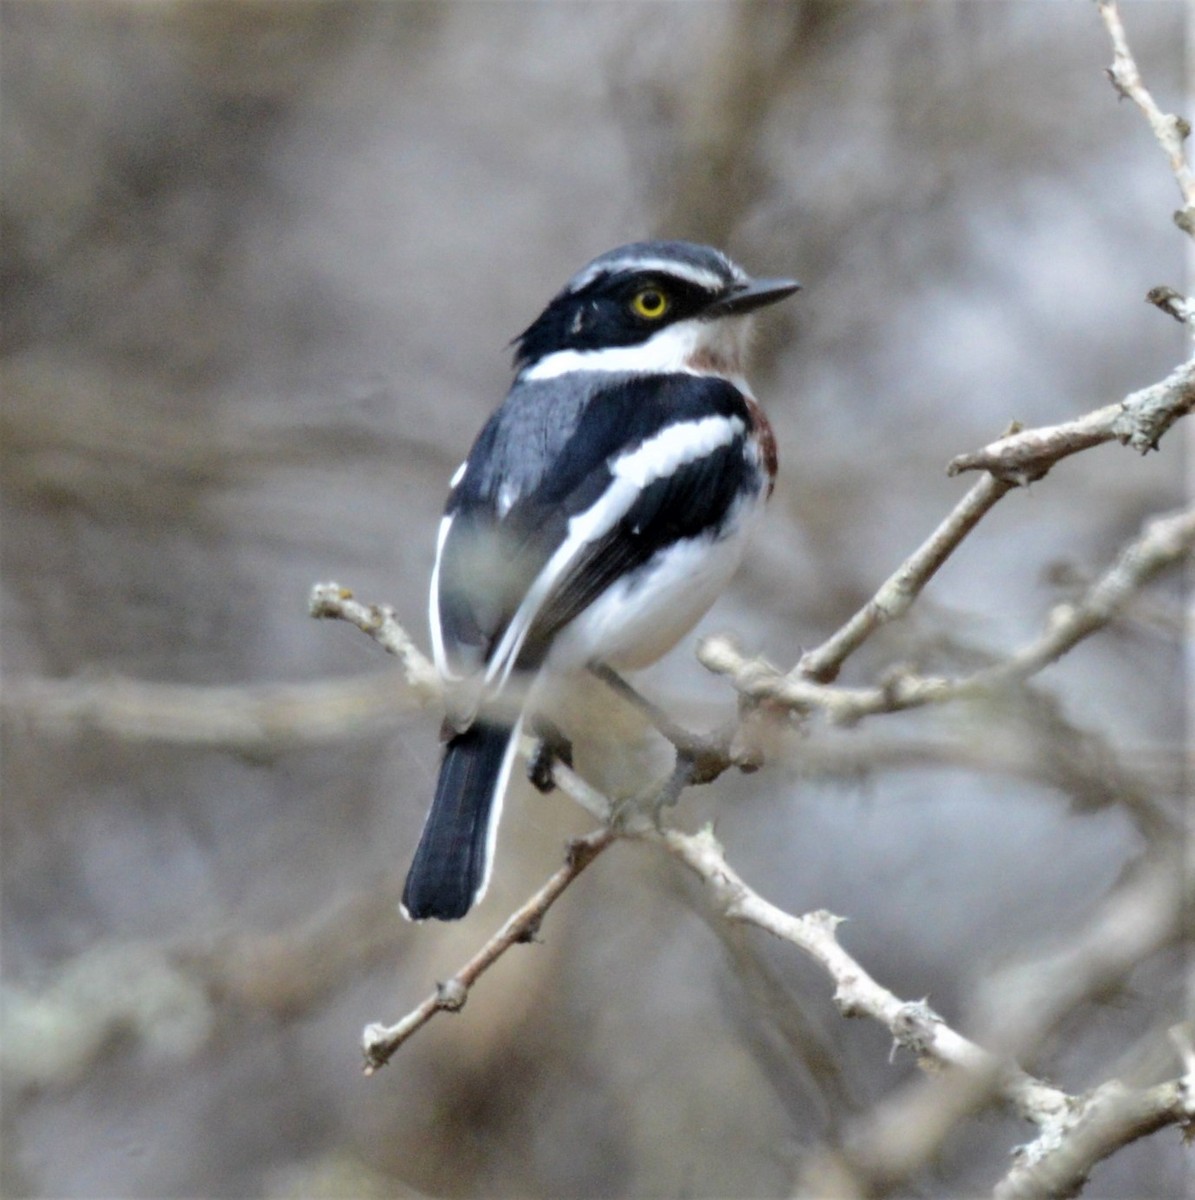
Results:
[601, 510]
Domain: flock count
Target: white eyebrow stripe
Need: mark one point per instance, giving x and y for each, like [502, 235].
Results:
[702, 277]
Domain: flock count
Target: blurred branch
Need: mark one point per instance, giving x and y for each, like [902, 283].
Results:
[698, 135]
[796, 1048]
[251, 718]
[288, 972]
[1145, 912]
[1170, 130]
[248, 718]
[1034, 742]
[171, 996]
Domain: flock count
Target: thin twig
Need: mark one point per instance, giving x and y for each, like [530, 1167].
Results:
[1139, 420]
[897, 593]
[330, 600]
[1170, 130]
[379, 1042]
[1165, 541]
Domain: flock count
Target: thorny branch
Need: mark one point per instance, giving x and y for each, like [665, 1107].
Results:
[1074, 1132]
[1015, 1014]
[1170, 130]
[1102, 1126]
[1098, 1125]
[1164, 541]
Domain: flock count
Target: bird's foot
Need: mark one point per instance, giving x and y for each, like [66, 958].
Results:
[551, 747]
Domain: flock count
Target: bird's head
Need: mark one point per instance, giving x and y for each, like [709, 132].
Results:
[648, 307]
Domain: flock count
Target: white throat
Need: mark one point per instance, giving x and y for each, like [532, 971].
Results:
[693, 346]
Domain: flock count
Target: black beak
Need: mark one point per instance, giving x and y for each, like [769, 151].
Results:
[746, 297]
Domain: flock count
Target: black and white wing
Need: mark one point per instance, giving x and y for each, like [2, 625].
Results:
[563, 494]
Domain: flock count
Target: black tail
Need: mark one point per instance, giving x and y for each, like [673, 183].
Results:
[451, 866]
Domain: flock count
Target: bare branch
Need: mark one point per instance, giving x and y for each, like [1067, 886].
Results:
[1165, 541]
[1033, 741]
[254, 717]
[1170, 130]
[897, 593]
[173, 996]
[1018, 1012]
[1015, 459]
[379, 621]
[1108, 1119]
[913, 1024]
[1142, 915]
[250, 717]
[1139, 421]
[379, 1042]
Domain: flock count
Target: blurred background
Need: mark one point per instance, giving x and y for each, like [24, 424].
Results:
[261, 263]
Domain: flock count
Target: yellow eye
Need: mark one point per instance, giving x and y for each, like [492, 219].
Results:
[650, 303]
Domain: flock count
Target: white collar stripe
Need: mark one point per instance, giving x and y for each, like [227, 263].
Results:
[666, 352]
